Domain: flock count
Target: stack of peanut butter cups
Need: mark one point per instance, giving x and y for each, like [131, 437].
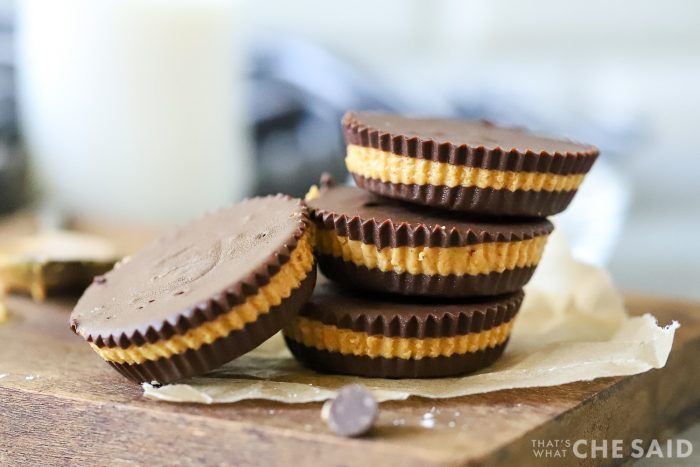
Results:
[428, 255]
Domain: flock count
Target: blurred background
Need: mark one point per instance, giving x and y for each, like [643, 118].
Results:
[148, 112]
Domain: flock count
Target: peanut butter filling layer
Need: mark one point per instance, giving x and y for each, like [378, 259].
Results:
[312, 333]
[481, 258]
[281, 286]
[388, 167]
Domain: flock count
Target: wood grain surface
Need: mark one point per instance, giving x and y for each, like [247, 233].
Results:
[61, 405]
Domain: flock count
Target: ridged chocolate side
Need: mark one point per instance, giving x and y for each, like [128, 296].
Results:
[211, 356]
[363, 278]
[183, 320]
[334, 362]
[427, 141]
[483, 201]
[380, 315]
[359, 215]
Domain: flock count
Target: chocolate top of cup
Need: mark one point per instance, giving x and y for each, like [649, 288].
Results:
[192, 274]
[371, 219]
[407, 317]
[476, 143]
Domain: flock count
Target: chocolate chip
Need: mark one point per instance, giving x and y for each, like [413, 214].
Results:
[352, 412]
[99, 279]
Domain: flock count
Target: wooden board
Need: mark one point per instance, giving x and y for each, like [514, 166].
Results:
[60, 404]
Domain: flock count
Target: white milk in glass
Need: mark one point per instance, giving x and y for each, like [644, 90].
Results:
[131, 109]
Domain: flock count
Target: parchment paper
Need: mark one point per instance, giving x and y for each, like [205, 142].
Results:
[572, 327]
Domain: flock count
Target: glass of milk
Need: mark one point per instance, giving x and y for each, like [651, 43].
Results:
[131, 110]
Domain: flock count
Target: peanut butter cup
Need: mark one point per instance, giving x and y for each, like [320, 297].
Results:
[470, 166]
[203, 294]
[341, 332]
[376, 243]
[53, 263]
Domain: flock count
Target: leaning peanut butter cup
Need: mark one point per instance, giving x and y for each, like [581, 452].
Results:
[378, 244]
[203, 294]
